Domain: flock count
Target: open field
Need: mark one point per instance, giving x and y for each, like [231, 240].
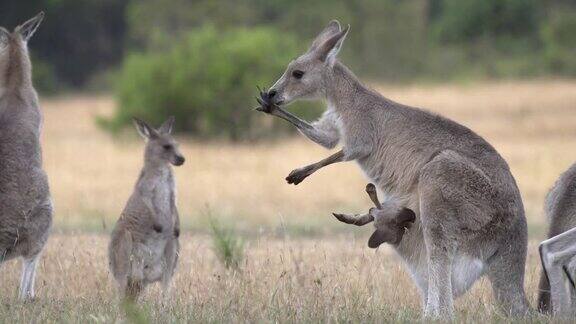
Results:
[300, 264]
[532, 124]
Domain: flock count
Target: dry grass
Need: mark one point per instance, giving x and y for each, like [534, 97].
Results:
[306, 280]
[327, 277]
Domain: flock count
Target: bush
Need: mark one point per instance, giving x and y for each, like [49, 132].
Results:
[208, 81]
[560, 42]
[468, 20]
[227, 246]
[44, 78]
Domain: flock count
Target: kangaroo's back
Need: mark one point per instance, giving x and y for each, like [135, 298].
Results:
[25, 204]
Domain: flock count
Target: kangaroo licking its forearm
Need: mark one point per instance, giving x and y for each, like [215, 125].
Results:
[25, 202]
[557, 293]
[470, 218]
[390, 220]
[144, 246]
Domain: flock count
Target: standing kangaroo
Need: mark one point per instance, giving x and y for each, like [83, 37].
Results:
[469, 214]
[144, 246]
[25, 203]
[557, 289]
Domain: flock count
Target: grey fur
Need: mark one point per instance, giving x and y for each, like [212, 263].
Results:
[560, 208]
[390, 220]
[25, 203]
[144, 246]
[470, 217]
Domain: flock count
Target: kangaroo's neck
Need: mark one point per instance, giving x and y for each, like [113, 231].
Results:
[156, 168]
[341, 86]
[19, 70]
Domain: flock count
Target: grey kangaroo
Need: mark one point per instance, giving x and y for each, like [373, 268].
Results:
[25, 203]
[469, 214]
[557, 293]
[144, 246]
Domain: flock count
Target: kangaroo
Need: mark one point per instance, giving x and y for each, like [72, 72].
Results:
[469, 214]
[25, 203]
[557, 292]
[390, 220]
[144, 246]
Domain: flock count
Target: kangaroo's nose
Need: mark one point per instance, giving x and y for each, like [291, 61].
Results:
[272, 93]
[179, 160]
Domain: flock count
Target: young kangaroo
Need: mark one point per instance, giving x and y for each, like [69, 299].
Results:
[469, 214]
[557, 289]
[390, 220]
[25, 203]
[144, 246]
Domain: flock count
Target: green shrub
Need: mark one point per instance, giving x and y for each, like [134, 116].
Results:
[462, 21]
[559, 41]
[44, 77]
[227, 246]
[208, 81]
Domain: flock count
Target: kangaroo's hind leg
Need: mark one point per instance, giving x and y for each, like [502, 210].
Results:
[121, 263]
[28, 277]
[505, 270]
[558, 256]
[41, 218]
[170, 260]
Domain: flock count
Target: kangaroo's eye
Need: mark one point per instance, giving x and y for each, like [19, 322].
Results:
[167, 147]
[298, 74]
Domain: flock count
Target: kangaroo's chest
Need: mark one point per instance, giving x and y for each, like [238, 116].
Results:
[163, 194]
[163, 197]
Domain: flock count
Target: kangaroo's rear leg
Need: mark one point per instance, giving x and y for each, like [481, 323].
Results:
[439, 300]
[121, 262]
[505, 270]
[171, 253]
[436, 216]
[559, 261]
[28, 277]
[544, 302]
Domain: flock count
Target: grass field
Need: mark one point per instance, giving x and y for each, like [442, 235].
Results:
[300, 264]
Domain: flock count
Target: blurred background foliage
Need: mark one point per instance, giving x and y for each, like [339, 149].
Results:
[201, 59]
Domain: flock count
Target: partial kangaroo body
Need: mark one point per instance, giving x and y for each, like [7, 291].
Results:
[144, 246]
[557, 293]
[469, 214]
[390, 220]
[25, 203]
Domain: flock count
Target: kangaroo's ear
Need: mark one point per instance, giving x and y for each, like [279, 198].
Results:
[328, 50]
[144, 129]
[406, 215]
[380, 236]
[330, 30]
[27, 29]
[167, 126]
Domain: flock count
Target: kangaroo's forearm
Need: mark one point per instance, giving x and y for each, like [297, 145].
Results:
[321, 138]
[298, 175]
[334, 158]
[294, 120]
[325, 139]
